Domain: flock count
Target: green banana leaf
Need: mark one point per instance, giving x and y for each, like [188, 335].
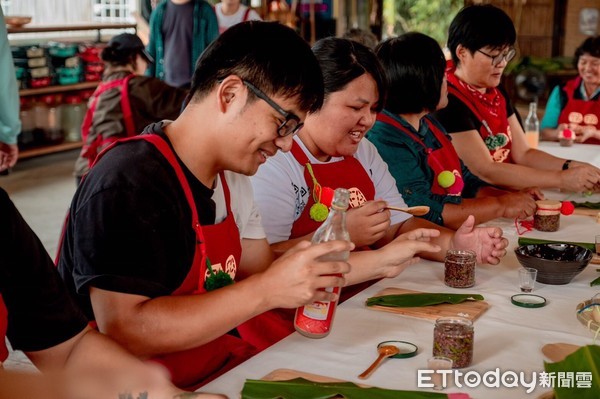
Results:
[420, 299]
[594, 282]
[299, 388]
[587, 204]
[584, 360]
[530, 241]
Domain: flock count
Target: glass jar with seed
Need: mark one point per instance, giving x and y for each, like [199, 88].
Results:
[453, 338]
[459, 268]
[547, 215]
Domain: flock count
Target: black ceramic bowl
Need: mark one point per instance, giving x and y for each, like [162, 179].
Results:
[556, 263]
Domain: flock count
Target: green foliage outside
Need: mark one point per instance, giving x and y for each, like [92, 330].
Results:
[431, 17]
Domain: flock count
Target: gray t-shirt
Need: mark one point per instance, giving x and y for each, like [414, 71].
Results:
[178, 33]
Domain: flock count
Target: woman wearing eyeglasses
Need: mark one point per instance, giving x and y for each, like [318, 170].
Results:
[485, 130]
[329, 152]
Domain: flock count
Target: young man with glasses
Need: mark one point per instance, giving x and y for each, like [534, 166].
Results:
[485, 130]
[165, 222]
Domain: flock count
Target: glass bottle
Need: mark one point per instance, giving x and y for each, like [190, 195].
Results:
[73, 112]
[532, 126]
[453, 338]
[315, 320]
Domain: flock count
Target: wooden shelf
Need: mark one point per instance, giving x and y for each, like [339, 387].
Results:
[49, 149]
[60, 28]
[58, 89]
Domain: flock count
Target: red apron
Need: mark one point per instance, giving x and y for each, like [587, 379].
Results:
[444, 158]
[220, 242]
[494, 129]
[3, 327]
[91, 149]
[267, 328]
[580, 112]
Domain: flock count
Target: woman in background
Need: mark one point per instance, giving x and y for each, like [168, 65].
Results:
[576, 104]
[125, 102]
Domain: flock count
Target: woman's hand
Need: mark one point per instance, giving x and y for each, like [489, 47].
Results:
[403, 251]
[368, 223]
[580, 178]
[486, 242]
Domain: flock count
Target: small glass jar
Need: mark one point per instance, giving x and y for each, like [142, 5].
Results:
[459, 268]
[547, 215]
[453, 338]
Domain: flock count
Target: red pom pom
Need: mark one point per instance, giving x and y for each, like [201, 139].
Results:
[457, 187]
[567, 133]
[327, 196]
[567, 208]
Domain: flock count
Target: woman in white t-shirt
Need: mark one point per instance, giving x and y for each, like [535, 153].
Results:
[231, 12]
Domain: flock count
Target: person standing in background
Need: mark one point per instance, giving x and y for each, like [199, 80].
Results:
[10, 124]
[231, 12]
[125, 102]
[180, 30]
[576, 104]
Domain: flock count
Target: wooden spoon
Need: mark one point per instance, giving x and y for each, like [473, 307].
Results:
[557, 352]
[384, 351]
[419, 210]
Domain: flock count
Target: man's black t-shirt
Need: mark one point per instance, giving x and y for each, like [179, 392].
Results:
[130, 227]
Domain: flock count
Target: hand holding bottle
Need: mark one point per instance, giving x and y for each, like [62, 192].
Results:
[299, 276]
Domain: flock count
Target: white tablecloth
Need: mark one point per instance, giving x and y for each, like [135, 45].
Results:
[506, 336]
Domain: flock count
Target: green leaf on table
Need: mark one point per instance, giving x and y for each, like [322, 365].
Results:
[420, 299]
[531, 241]
[584, 360]
[299, 388]
[586, 204]
[595, 282]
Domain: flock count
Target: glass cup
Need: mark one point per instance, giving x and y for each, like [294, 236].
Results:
[527, 277]
[439, 380]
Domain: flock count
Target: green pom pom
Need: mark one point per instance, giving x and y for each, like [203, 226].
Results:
[218, 280]
[318, 212]
[446, 179]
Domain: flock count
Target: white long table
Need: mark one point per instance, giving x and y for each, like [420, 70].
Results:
[506, 336]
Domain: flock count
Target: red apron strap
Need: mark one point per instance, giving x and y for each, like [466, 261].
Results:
[126, 107]
[246, 14]
[465, 100]
[3, 328]
[298, 154]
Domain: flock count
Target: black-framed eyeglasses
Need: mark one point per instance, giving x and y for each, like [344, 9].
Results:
[496, 59]
[291, 123]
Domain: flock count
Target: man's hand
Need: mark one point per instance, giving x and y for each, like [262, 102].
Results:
[299, 276]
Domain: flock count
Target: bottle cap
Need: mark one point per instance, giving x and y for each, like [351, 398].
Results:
[406, 349]
[528, 301]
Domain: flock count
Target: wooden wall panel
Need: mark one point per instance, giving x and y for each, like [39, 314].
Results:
[573, 37]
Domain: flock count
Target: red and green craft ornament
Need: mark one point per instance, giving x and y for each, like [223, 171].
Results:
[216, 280]
[453, 183]
[323, 196]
